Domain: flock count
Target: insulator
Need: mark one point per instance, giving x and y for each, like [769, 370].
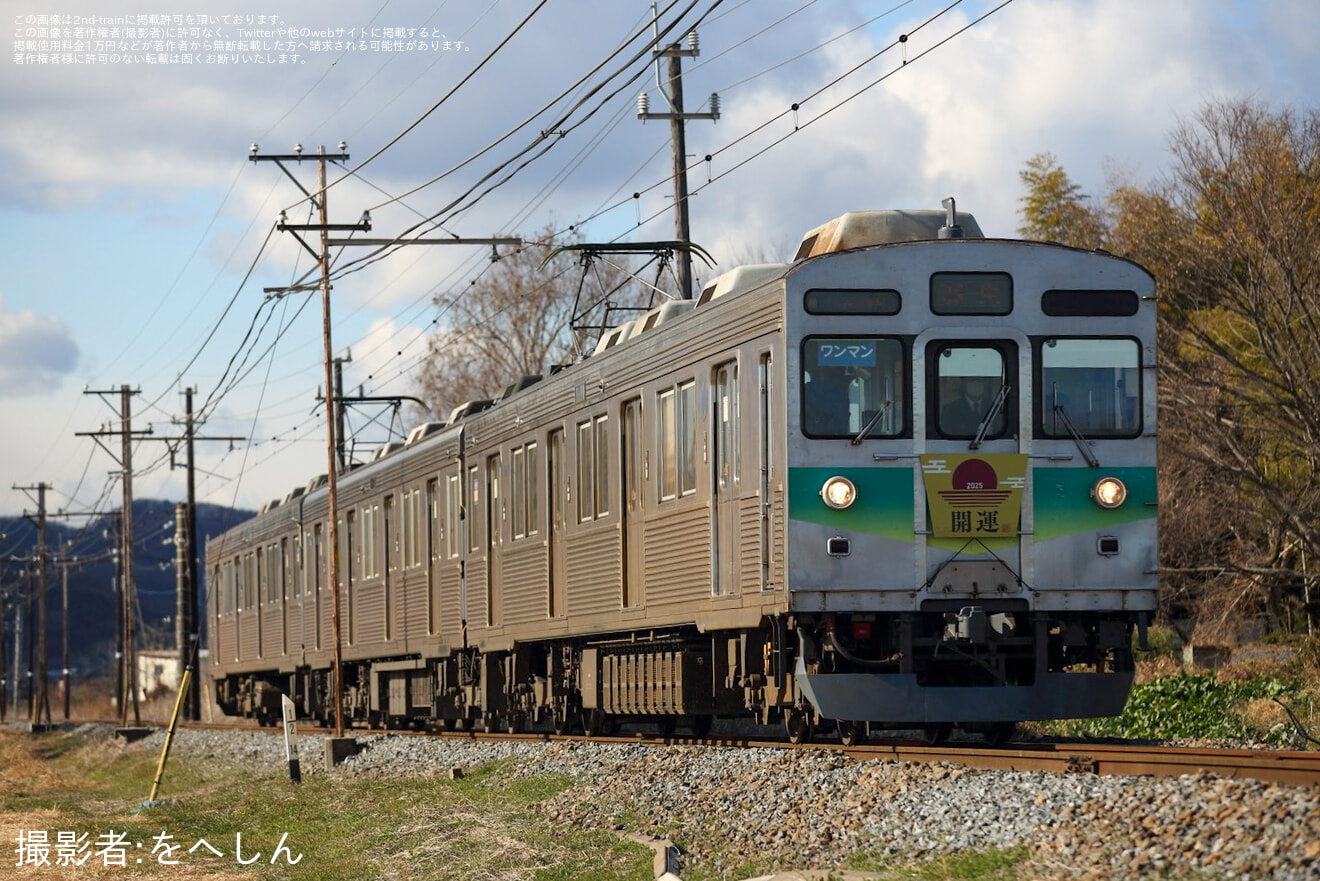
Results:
[715, 104]
[693, 42]
[643, 104]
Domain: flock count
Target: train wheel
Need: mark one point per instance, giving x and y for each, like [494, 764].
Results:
[514, 723]
[490, 723]
[798, 726]
[593, 722]
[566, 715]
[937, 735]
[447, 724]
[701, 724]
[1000, 733]
[851, 733]
[667, 725]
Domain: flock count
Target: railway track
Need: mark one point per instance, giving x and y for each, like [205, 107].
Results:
[1274, 766]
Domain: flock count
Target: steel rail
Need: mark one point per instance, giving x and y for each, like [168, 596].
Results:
[1272, 766]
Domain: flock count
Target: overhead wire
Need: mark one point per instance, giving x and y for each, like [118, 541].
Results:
[351, 265]
[436, 106]
[401, 239]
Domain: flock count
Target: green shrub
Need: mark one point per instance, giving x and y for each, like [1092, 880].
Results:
[1185, 706]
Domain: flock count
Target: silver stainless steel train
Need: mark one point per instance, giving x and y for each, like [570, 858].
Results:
[906, 480]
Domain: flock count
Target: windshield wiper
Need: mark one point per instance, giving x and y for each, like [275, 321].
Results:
[866, 429]
[995, 407]
[1083, 444]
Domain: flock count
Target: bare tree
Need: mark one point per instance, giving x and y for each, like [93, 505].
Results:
[1233, 241]
[515, 319]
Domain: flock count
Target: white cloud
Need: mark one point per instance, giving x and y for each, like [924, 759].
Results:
[36, 352]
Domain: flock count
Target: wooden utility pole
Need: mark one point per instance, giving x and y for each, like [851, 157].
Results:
[39, 708]
[322, 256]
[127, 583]
[187, 634]
[678, 142]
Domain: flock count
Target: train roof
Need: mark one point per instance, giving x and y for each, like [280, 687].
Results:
[854, 229]
[860, 229]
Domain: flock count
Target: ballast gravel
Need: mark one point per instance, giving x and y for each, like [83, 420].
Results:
[810, 809]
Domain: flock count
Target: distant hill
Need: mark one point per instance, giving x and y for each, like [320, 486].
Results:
[91, 580]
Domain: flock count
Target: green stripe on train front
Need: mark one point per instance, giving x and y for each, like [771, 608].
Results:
[1062, 498]
[883, 506]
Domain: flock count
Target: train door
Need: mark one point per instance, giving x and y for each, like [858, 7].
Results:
[977, 435]
[555, 493]
[431, 556]
[631, 439]
[316, 554]
[284, 563]
[388, 560]
[724, 483]
[346, 570]
[494, 514]
[259, 602]
[763, 468]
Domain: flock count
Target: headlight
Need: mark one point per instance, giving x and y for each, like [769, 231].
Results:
[838, 492]
[1109, 492]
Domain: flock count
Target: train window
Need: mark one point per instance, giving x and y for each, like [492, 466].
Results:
[523, 476]
[668, 445]
[518, 490]
[408, 527]
[1094, 385]
[1074, 303]
[969, 379]
[370, 541]
[249, 581]
[285, 562]
[474, 534]
[274, 573]
[602, 467]
[586, 464]
[850, 382]
[687, 438]
[678, 440]
[823, 301]
[971, 293]
[533, 489]
[453, 506]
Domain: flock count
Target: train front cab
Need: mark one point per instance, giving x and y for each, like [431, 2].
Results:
[972, 493]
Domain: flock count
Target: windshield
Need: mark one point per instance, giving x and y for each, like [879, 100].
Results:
[968, 380]
[846, 382]
[1096, 382]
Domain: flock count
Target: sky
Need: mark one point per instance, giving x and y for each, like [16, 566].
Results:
[138, 241]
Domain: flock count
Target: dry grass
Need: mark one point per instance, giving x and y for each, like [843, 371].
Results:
[1263, 714]
[22, 769]
[45, 769]
[474, 844]
[1157, 668]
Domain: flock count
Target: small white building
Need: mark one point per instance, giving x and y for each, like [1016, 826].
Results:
[159, 673]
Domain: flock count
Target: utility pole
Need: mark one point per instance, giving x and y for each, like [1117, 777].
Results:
[65, 679]
[323, 259]
[182, 618]
[322, 256]
[192, 704]
[40, 698]
[128, 585]
[4, 674]
[340, 406]
[18, 648]
[187, 632]
[678, 139]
